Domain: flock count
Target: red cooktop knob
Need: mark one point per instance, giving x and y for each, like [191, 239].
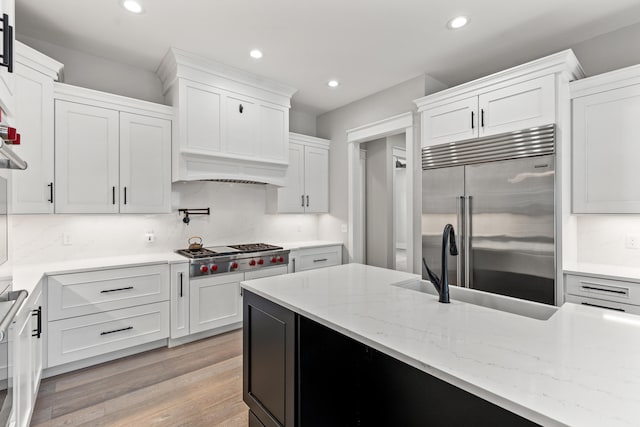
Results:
[274, 259]
[252, 262]
[213, 267]
[281, 259]
[204, 268]
[234, 265]
[260, 261]
[17, 140]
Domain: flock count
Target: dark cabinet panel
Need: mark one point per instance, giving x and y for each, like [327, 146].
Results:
[269, 361]
[254, 421]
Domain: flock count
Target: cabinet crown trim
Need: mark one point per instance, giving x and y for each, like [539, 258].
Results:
[603, 82]
[38, 61]
[178, 63]
[309, 140]
[558, 63]
[97, 98]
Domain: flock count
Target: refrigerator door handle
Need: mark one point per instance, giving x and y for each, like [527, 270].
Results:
[460, 229]
[468, 265]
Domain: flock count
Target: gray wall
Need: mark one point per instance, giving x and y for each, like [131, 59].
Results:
[379, 203]
[610, 51]
[334, 124]
[302, 122]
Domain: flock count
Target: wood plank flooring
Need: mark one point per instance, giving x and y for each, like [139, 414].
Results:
[196, 384]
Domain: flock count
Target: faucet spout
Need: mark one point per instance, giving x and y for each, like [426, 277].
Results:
[448, 236]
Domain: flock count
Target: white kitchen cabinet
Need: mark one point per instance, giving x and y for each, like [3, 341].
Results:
[145, 164]
[231, 125]
[605, 143]
[86, 158]
[519, 98]
[7, 82]
[180, 292]
[27, 357]
[306, 188]
[603, 292]
[456, 121]
[215, 301]
[266, 272]
[314, 257]
[112, 154]
[32, 189]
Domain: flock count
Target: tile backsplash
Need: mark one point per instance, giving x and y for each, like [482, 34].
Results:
[237, 216]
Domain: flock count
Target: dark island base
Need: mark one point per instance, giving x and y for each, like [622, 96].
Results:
[318, 377]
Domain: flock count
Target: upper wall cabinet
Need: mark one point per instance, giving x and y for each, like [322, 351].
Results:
[606, 143]
[7, 40]
[518, 98]
[32, 189]
[231, 125]
[306, 188]
[112, 154]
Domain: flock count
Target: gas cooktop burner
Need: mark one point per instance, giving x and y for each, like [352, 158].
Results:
[233, 258]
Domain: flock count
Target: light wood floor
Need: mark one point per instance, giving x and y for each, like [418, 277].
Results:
[196, 384]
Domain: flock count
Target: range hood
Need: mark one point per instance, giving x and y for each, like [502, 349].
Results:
[230, 125]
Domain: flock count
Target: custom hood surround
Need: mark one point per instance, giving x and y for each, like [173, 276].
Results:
[230, 125]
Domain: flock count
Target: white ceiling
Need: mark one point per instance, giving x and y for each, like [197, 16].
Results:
[368, 45]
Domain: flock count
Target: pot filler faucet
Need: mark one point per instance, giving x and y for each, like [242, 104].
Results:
[442, 286]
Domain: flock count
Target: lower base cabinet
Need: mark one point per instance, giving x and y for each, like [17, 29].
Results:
[298, 372]
[215, 301]
[27, 363]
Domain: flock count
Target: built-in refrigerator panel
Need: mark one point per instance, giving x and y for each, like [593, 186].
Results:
[442, 191]
[510, 224]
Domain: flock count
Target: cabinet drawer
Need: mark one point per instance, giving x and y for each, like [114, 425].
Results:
[78, 294]
[600, 303]
[604, 289]
[87, 336]
[308, 259]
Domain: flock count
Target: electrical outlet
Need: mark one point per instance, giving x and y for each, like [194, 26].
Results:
[344, 228]
[149, 237]
[633, 241]
[66, 239]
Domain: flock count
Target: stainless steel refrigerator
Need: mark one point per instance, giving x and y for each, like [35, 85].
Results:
[498, 193]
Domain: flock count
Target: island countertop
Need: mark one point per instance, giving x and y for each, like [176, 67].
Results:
[580, 367]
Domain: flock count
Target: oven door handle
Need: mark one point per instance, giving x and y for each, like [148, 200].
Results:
[18, 298]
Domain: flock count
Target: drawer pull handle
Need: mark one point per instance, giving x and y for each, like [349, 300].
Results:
[116, 330]
[611, 291]
[320, 260]
[116, 290]
[602, 306]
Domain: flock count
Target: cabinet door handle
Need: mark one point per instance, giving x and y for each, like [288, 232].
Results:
[302, 204]
[307, 200]
[472, 117]
[293, 262]
[106, 291]
[113, 195]
[7, 43]
[320, 260]
[125, 195]
[241, 108]
[116, 330]
[50, 185]
[181, 285]
[38, 331]
[602, 306]
[482, 117]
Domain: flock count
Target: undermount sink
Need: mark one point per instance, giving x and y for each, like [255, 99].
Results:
[517, 306]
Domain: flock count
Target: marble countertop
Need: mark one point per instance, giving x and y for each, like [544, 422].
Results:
[580, 367]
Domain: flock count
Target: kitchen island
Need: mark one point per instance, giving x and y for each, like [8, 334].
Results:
[342, 324]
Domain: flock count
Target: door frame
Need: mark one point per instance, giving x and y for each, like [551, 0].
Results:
[401, 123]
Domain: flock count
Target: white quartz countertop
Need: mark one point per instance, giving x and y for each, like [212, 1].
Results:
[27, 276]
[580, 368]
[615, 272]
[308, 244]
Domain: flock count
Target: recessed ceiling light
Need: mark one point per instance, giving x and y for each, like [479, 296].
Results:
[132, 6]
[333, 83]
[457, 22]
[255, 53]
